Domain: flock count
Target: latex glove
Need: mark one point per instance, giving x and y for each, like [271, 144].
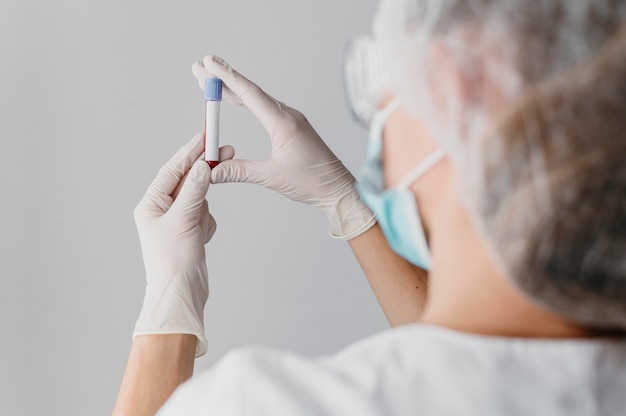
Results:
[174, 224]
[301, 167]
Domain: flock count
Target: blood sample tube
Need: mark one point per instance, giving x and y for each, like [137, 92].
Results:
[212, 98]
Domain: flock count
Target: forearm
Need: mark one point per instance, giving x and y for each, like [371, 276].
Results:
[157, 364]
[399, 286]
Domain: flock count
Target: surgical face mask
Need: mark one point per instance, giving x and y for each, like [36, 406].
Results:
[395, 209]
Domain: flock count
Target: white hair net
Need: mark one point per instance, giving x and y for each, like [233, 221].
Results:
[538, 131]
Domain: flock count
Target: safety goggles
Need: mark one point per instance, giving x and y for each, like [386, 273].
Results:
[364, 76]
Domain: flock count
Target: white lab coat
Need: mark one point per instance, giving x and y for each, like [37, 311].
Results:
[416, 370]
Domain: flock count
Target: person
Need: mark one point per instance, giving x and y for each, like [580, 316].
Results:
[496, 177]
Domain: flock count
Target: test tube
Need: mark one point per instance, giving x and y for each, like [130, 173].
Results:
[212, 98]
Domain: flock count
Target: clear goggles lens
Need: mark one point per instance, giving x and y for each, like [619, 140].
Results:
[364, 76]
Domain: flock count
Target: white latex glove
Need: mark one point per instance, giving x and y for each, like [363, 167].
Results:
[174, 224]
[301, 167]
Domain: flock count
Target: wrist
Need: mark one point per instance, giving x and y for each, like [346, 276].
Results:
[348, 217]
[174, 304]
[163, 347]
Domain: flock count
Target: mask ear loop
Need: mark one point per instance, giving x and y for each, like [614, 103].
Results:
[422, 168]
[380, 118]
[393, 105]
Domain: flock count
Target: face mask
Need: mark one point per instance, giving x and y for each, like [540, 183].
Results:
[395, 209]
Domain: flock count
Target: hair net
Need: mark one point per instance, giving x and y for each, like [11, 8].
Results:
[538, 133]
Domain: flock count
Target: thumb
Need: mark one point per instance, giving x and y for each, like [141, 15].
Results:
[194, 190]
[240, 170]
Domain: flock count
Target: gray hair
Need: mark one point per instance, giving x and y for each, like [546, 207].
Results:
[545, 176]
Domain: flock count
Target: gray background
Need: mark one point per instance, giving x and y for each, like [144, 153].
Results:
[94, 98]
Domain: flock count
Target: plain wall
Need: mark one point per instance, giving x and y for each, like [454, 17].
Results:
[94, 98]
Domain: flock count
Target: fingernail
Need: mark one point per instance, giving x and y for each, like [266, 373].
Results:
[219, 61]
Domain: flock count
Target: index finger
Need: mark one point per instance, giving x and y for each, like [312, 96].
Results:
[262, 105]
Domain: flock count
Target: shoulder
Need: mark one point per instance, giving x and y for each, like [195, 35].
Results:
[399, 371]
[281, 382]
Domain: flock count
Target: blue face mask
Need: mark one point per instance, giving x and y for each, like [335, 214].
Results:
[395, 209]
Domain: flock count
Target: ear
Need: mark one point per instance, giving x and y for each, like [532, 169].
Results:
[467, 83]
[450, 87]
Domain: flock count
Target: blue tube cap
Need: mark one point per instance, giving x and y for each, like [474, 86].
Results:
[212, 89]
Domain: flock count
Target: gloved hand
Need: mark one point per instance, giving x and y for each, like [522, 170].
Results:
[301, 167]
[174, 224]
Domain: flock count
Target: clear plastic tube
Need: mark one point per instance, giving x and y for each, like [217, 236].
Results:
[212, 98]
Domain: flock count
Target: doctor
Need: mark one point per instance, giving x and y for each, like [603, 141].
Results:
[495, 179]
